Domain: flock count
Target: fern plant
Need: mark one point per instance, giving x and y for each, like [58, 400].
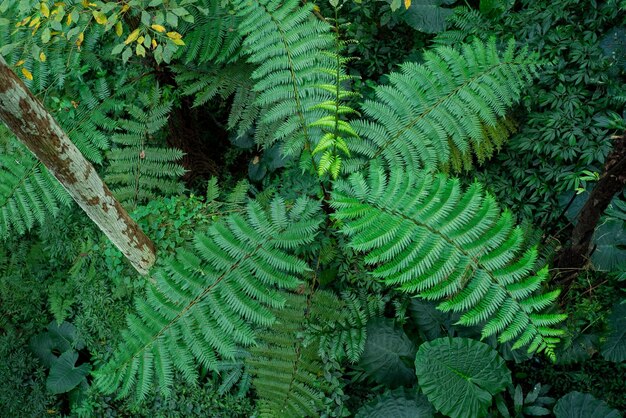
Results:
[425, 236]
[249, 286]
[441, 112]
[338, 325]
[420, 231]
[279, 39]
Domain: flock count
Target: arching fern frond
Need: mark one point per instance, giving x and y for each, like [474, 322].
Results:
[338, 326]
[427, 236]
[213, 36]
[223, 81]
[333, 147]
[206, 303]
[92, 116]
[140, 167]
[287, 373]
[287, 43]
[433, 112]
[28, 192]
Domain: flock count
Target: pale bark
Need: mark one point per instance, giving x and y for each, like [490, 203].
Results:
[26, 117]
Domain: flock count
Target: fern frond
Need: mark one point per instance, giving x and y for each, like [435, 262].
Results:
[29, 194]
[93, 116]
[139, 169]
[212, 37]
[205, 304]
[289, 45]
[427, 236]
[433, 114]
[204, 85]
[287, 374]
[339, 325]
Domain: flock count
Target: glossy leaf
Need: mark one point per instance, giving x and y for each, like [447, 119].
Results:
[388, 354]
[460, 376]
[583, 405]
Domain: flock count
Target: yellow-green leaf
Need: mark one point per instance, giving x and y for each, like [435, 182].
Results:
[140, 50]
[132, 37]
[27, 74]
[119, 30]
[100, 17]
[45, 11]
[158, 28]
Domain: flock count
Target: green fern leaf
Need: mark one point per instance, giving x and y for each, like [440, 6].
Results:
[29, 194]
[139, 169]
[205, 304]
[339, 325]
[427, 236]
[291, 49]
[433, 114]
[287, 373]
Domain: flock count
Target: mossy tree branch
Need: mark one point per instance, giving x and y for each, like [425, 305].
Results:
[31, 123]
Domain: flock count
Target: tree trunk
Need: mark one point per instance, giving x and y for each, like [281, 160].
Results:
[612, 182]
[26, 117]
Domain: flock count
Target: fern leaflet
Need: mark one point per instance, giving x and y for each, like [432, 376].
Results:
[288, 45]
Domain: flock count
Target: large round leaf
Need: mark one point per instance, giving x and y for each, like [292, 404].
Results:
[430, 321]
[64, 376]
[48, 346]
[397, 403]
[583, 405]
[614, 349]
[459, 376]
[388, 354]
[609, 240]
[427, 15]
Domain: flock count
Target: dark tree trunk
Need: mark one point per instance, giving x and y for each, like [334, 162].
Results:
[612, 182]
[26, 117]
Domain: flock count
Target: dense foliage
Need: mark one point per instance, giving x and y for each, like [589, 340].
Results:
[355, 205]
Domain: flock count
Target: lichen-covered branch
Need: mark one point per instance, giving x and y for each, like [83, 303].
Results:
[26, 117]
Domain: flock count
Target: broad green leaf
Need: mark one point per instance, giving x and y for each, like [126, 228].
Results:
[64, 375]
[583, 405]
[59, 339]
[614, 349]
[459, 376]
[397, 403]
[610, 245]
[495, 8]
[613, 46]
[577, 349]
[388, 354]
[431, 322]
[428, 15]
